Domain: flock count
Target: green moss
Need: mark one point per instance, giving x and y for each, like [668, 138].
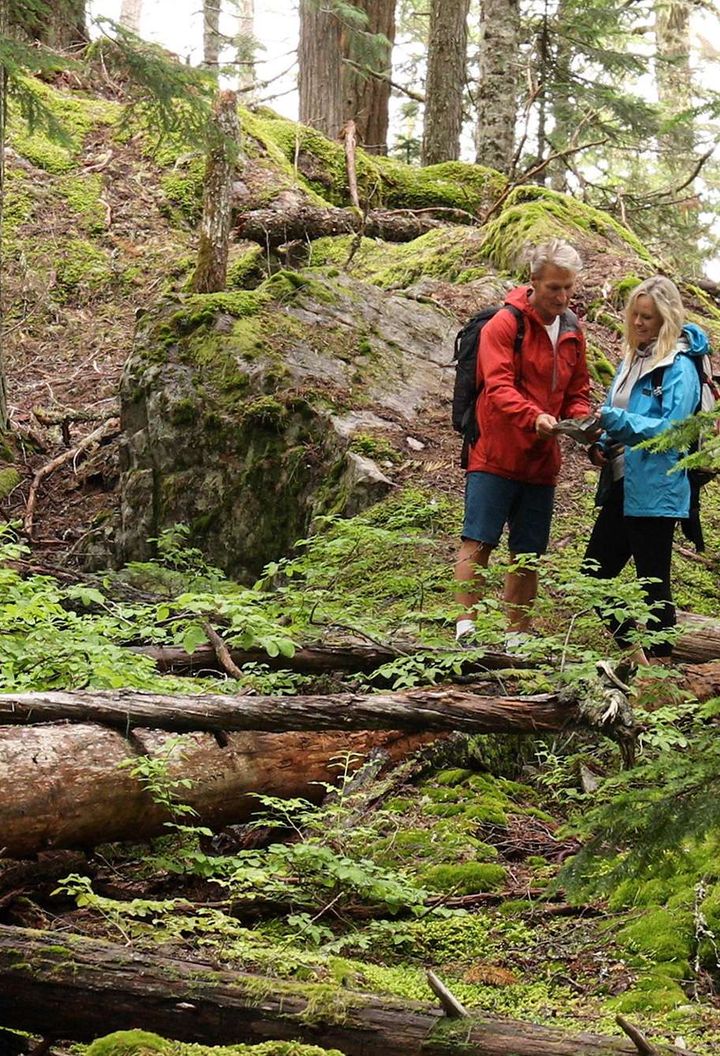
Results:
[660, 934]
[620, 289]
[182, 188]
[465, 878]
[442, 254]
[452, 777]
[318, 165]
[247, 269]
[18, 201]
[83, 196]
[142, 1043]
[75, 115]
[374, 447]
[80, 263]
[265, 413]
[533, 214]
[600, 367]
[9, 479]
[284, 286]
[655, 992]
[128, 1043]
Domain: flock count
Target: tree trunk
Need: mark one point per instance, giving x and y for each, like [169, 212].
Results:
[319, 69]
[365, 97]
[497, 89]
[673, 76]
[564, 114]
[211, 33]
[220, 167]
[67, 986]
[274, 227]
[445, 82]
[63, 786]
[130, 14]
[246, 47]
[332, 57]
[58, 23]
[446, 709]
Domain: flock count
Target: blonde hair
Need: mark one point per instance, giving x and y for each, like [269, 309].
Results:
[556, 253]
[666, 298]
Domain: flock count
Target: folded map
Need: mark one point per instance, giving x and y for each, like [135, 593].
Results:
[584, 430]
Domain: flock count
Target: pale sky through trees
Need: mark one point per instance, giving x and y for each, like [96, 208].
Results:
[177, 25]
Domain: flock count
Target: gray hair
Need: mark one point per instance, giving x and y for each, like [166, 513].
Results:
[556, 253]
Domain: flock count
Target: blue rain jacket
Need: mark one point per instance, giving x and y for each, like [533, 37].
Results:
[651, 488]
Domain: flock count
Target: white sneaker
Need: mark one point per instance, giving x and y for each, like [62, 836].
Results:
[464, 629]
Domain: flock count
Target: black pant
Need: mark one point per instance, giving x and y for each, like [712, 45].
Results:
[614, 540]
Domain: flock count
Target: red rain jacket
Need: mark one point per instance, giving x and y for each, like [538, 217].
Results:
[515, 390]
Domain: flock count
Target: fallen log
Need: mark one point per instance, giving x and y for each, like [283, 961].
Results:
[62, 786]
[273, 227]
[699, 642]
[699, 639]
[312, 659]
[448, 709]
[68, 986]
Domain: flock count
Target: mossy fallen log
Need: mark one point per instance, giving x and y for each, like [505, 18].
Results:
[68, 986]
[68, 786]
[273, 227]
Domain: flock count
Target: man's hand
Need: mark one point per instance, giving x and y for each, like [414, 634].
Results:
[545, 424]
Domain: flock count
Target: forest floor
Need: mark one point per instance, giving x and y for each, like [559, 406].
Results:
[488, 832]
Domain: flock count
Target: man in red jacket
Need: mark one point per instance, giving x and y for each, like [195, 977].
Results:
[513, 466]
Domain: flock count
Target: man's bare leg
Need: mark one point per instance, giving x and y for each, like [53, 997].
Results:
[521, 587]
[472, 558]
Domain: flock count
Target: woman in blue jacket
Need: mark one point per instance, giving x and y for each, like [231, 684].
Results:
[656, 385]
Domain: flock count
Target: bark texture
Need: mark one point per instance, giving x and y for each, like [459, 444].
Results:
[220, 167]
[699, 640]
[366, 97]
[497, 88]
[319, 73]
[445, 82]
[211, 32]
[63, 786]
[246, 47]
[349, 657]
[335, 81]
[130, 14]
[270, 227]
[447, 709]
[69, 986]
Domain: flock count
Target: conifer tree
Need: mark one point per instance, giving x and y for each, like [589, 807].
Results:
[497, 102]
[445, 80]
[130, 12]
[344, 61]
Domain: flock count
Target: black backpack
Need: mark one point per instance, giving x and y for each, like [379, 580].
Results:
[697, 478]
[466, 389]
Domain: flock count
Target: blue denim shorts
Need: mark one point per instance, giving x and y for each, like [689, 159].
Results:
[491, 502]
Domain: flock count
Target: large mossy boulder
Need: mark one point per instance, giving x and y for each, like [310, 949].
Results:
[238, 410]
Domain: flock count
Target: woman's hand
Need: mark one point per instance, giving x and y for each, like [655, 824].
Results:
[597, 456]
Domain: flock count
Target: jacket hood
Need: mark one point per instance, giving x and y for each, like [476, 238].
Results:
[697, 340]
[518, 297]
